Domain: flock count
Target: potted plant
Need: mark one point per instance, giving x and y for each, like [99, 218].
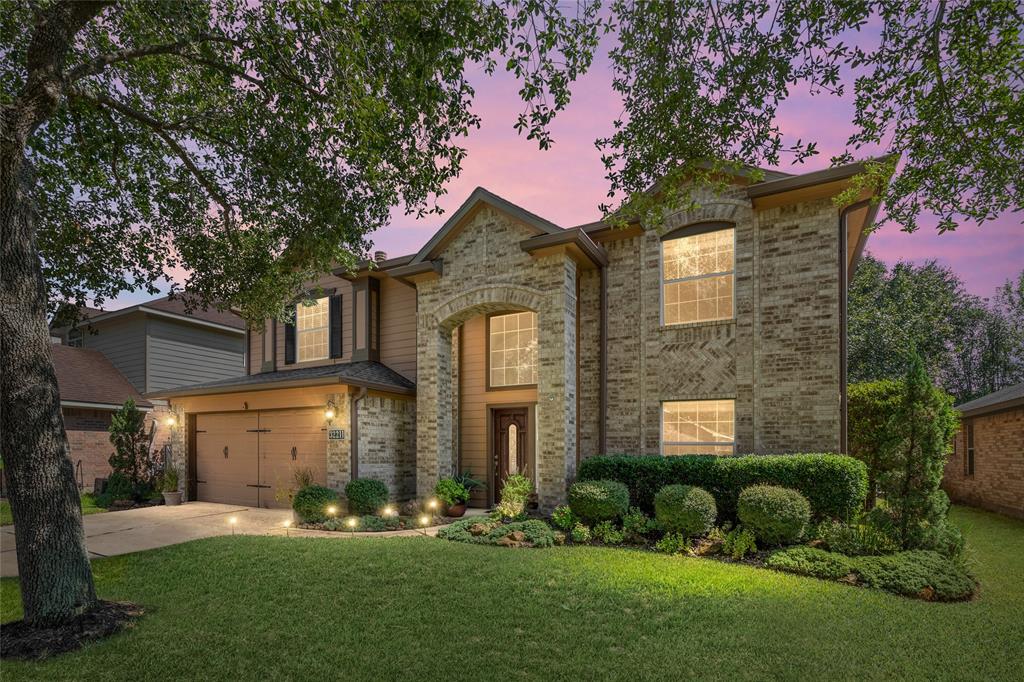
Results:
[453, 495]
[169, 487]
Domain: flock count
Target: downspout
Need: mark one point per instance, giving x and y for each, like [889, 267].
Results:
[355, 432]
[843, 294]
[603, 365]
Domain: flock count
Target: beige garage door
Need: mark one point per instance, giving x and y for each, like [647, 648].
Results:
[246, 458]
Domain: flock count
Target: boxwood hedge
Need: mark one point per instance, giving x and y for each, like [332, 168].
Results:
[835, 485]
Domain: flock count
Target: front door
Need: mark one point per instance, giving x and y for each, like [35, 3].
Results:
[511, 446]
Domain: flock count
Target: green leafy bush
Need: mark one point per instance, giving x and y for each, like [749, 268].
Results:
[581, 533]
[685, 509]
[451, 492]
[509, 510]
[516, 488]
[943, 537]
[870, 406]
[366, 495]
[311, 503]
[118, 487]
[777, 516]
[537, 533]
[636, 525]
[856, 539]
[739, 542]
[596, 501]
[606, 533]
[672, 543]
[835, 485]
[365, 524]
[917, 573]
[563, 517]
[169, 480]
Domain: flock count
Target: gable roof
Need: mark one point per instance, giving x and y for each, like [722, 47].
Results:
[87, 378]
[477, 197]
[165, 306]
[364, 373]
[1011, 396]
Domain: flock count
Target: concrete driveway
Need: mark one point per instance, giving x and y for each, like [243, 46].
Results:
[134, 530]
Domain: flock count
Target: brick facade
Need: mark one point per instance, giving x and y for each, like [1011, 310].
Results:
[387, 443]
[998, 480]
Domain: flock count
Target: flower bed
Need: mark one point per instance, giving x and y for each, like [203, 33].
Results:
[369, 523]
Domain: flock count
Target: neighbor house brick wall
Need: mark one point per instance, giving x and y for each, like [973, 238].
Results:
[998, 480]
[387, 443]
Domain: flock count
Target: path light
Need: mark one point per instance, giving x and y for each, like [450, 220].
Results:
[387, 511]
[424, 521]
[332, 511]
[432, 503]
[351, 522]
[233, 521]
[287, 525]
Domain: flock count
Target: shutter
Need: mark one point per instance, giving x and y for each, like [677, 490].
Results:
[289, 343]
[334, 308]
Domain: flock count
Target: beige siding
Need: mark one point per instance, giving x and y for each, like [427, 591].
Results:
[398, 327]
[476, 401]
[343, 287]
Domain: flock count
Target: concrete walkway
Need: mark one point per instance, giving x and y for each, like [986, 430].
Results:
[135, 530]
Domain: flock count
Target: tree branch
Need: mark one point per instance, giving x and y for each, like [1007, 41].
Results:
[98, 64]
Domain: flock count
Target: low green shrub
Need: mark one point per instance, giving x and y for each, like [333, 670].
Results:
[777, 516]
[366, 496]
[860, 538]
[563, 518]
[451, 492]
[606, 533]
[516, 488]
[943, 537]
[581, 533]
[672, 543]
[739, 542]
[536, 532]
[636, 525]
[509, 510]
[364, 524]
[916, 573]
[835, 485]
[596, 501]
[685, 509]
[311, 503]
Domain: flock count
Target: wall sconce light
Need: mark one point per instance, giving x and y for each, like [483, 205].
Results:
[330, 411]
[170, 421]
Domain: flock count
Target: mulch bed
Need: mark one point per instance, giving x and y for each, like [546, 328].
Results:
[21, 641]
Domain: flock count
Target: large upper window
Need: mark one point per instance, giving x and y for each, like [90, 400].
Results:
[697, 274]
[512, 342]
[698, 427]
[311, 330]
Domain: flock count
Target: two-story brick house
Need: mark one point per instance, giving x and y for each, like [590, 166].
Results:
[508, 343]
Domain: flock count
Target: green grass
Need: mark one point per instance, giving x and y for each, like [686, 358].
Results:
[88, 507]
[419, 609]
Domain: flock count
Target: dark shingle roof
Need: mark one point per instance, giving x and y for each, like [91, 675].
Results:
[365, 373]
[177, 306]
[87, 376]
[1004, 397]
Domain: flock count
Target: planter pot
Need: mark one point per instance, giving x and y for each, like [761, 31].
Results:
[456, 510]
[172, 499]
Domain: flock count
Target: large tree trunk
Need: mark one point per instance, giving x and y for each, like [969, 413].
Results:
[56, 580]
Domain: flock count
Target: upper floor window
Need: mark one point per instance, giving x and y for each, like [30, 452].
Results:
[697, 273]
[698, 427]
[512, 349]
[75, 338]
[312, 330]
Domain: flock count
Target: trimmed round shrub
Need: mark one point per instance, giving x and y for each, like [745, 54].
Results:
[777, 516]
[596, 501]
[685, 509]
[366, 496]
[311, 503]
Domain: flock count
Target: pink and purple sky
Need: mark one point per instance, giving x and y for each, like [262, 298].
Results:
[565, 184]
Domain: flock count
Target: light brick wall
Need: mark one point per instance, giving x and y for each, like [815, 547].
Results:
[998, 480]
[387, 443]
[89, 440]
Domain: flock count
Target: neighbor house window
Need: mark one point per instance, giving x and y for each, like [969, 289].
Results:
[75, 338]
[969, 455]
[697, 273]
[311, 330]
[512, 344]
[698, 427]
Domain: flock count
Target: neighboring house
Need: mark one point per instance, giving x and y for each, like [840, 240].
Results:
[510, 344]
[987, 466]
[157, 345]
[91, 389]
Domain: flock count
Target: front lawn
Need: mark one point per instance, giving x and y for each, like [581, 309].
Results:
[88, 507]
[419, 608]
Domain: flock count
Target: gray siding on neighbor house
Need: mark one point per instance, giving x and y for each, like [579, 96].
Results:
[123, 341]
[180, 354]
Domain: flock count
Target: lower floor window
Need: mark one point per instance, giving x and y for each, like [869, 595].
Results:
[698, 427]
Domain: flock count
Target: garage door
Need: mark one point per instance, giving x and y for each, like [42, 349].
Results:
[247, 458]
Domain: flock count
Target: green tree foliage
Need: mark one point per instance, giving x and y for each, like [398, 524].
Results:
[971, 346]
[131, 457]
[941, 91]
[922, 428]
[870, 407]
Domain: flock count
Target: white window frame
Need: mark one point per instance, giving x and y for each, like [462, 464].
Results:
[718, 444]
[487, 330]
[662, 281]
[325, 300]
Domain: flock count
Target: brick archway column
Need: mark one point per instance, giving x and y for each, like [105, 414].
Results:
[433, 405]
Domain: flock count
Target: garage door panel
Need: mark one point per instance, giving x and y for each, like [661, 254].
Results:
[227, 476]
[290, 440]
